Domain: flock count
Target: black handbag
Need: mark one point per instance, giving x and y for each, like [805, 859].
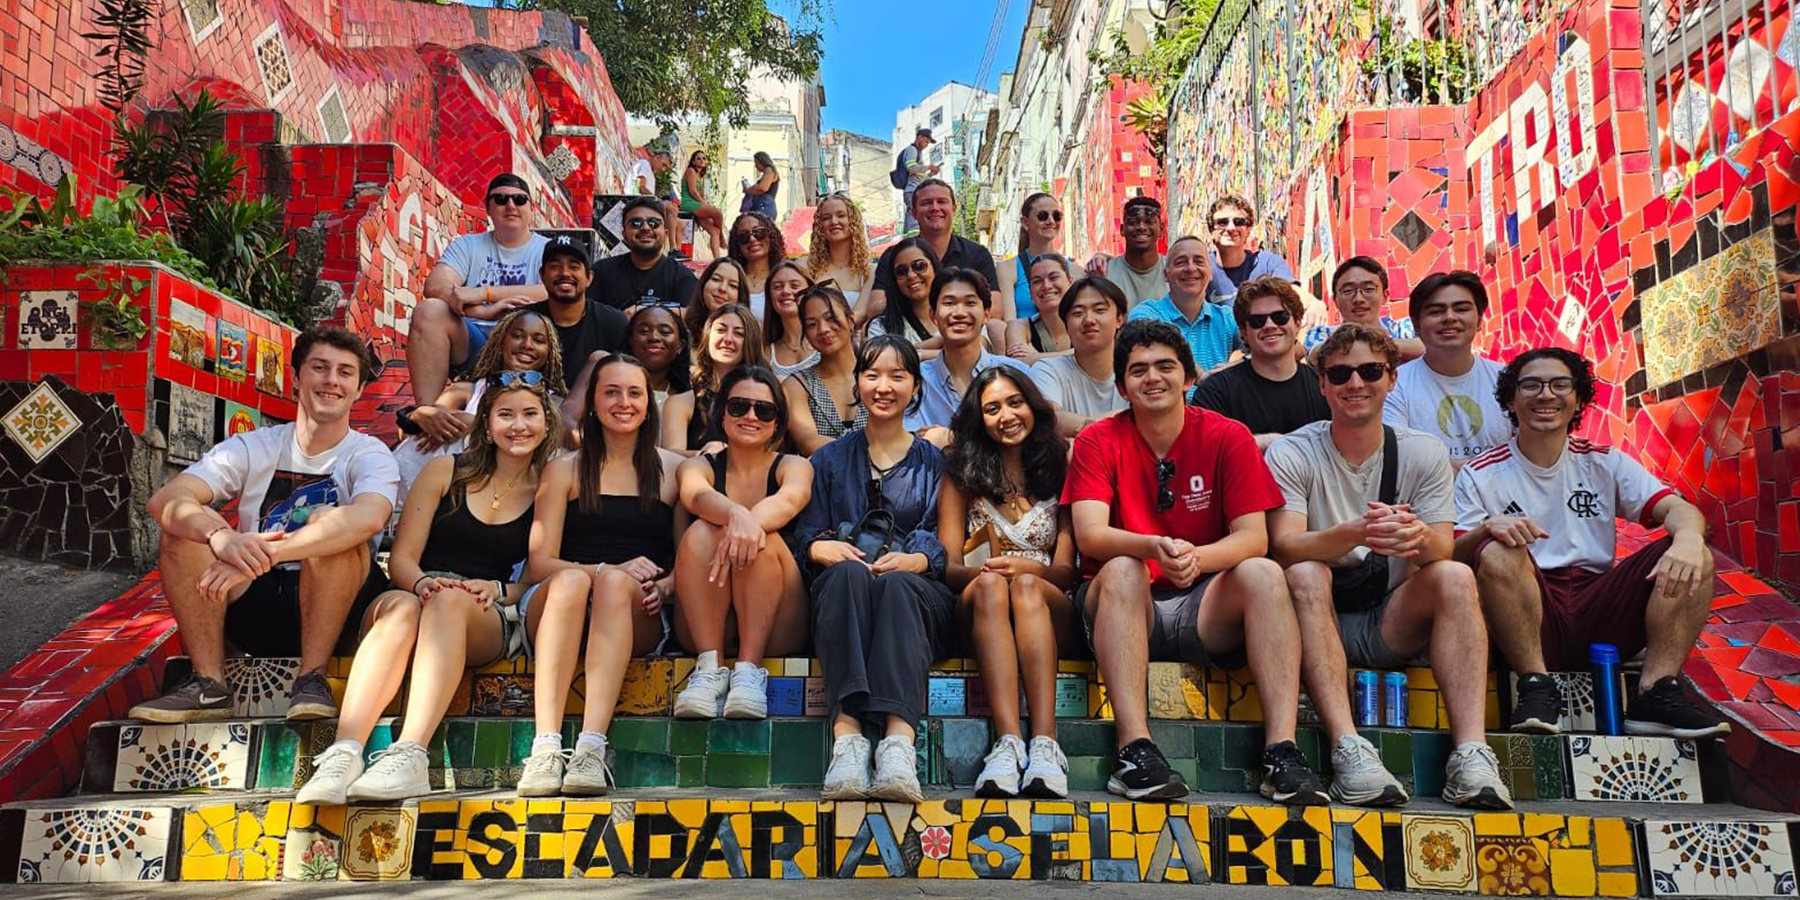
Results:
[1362, 587]
[873, 534]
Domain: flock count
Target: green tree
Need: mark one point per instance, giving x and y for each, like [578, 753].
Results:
[670, 58]
[1176, 39]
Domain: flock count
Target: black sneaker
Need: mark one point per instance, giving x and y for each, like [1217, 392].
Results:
[310, 698]
[1140, 772]
[1665, 710]
[1537, 705]
[1287, 778]
[197, 699]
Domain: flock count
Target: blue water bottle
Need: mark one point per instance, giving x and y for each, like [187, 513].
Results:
[1609, 718]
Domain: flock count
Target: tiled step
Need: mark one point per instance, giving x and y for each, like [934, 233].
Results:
[1565, 849]
[658, 752]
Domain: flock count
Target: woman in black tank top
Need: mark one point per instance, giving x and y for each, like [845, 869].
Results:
[601, 548]
[465, 529]
[734, 570]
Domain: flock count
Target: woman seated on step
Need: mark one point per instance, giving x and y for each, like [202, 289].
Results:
[601, 548]
[658, 337]
[730, 338]
[838, 248]
[880, 610]
[524, 341]
[782, 331]
[822, 397]
[1012, 555]
[464, 531]
[721, 282]
[734, 571]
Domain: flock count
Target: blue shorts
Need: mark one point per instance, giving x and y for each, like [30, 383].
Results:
[479, 332]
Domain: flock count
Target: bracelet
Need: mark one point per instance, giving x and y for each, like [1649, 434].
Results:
[222, 527]
[500, 586]
[488, 297]
[415, 584]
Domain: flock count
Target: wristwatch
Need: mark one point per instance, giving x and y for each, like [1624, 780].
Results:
[403, 418]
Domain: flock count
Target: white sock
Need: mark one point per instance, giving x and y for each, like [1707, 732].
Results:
[356, 746]
[707, 660]
[746, 665]
[550, 742]
[591, 740]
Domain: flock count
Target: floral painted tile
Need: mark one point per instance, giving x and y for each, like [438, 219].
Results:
[377, 844]
[1511, 867]
[40, 422]
[69, 846]
[1715, 859]
[161, 758]
[261, 684]
[1440, 853]
[1622, 767]
[314, 841]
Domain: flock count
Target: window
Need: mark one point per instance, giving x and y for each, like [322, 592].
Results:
[937, 117]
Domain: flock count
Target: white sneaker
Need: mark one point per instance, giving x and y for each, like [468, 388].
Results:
[1472, 778]
[333, 771]
[749, 697]
[896, 772]
[1000, 776]
[848, 776]
[543, 776]
[587, 774]
[704, 696]
[1046, 770]
[398, 772]
[1359, 778]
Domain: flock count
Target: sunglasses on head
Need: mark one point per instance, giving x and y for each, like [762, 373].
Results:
[1280, 317]
[1368, 372]
[527, 378]
[739, 407]
[644, 222]
[758, 233]
[917, 267]
[1049, 215]
[512, 199]
[1231, 221]
[1165, 497]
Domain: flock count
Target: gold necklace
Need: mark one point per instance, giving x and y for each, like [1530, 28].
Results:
[500, 494]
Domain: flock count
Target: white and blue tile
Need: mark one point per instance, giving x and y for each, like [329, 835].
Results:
[1640, 769]
[261, 685]
[161, 758]
[72, 846]
[1719, 859]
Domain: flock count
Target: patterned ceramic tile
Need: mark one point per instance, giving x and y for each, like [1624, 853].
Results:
[261, 684]
[272, 63]
[377, 844]
[314, 841]
[1440, 853]
[187, 334]
[47, 319]
[190, 431]
[41, 422]
[1719, 859]
[68, 846]
[334, 124]
[1617, 767]
[161, 758]
[202, 17]
[233, 350]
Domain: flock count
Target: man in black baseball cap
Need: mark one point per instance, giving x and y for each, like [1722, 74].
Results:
[585, 328]
[917, 170]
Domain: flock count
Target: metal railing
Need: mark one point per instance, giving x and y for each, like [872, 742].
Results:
[1711, 79]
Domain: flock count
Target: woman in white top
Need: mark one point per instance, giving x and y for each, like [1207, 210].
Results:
[782, 329]
[838, 249]
[757, 246]
[1012, 557]
[1042, 333]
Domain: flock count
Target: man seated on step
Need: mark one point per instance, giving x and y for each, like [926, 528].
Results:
[311, 496]
[1168, 502]
[1449, 392]
[1359, 290]
[480, 278]
[1366, 538]
[1270, 390]
[1535, 518]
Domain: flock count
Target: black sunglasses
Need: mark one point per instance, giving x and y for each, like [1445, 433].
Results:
[1143, 213]
[918, 266]
[1165, 498]
[1279, 317]
[1225, 221]
[1049, 215]
[1368, 372]
[513, 199]
[643, 222]
[739, 407]
[528, 378]
[758, 233]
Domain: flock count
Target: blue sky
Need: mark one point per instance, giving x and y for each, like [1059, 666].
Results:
[876, 62]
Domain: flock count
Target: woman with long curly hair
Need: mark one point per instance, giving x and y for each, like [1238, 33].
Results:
[757, 246]
[465, 529]
[838, 248]
[731, 338]
[1012, 557]
[788, 350]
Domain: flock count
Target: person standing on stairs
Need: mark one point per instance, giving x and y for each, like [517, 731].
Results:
[464, 533]
[759, 195]
[311, 497]
[1535, 519]
[1365, 536]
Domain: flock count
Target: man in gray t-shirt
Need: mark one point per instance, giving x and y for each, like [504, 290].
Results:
[917, 170]
[1373, 582]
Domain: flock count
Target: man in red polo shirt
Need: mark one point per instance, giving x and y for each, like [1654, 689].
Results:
[1168, 502]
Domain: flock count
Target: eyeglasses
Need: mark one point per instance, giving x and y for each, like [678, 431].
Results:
[1368, 289]
[644, 222]
[1231, 221]
[1368, 372]
[917, 267]
[1049, 215]
[1142, 214]
[1280, 317]
[527, 378]
[739, 407]
[752, 234]
[1531, 387]
[1165, 498]
[505, 199]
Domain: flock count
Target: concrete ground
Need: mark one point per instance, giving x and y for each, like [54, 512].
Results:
[661, 888]
[44, 598]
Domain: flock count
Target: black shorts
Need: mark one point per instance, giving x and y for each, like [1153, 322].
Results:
[265, 620]
[1174, 627]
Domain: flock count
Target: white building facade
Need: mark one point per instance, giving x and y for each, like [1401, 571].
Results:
[957, 115]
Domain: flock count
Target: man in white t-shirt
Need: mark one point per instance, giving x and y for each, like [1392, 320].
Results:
[1371, 576]
[311, 496]
[480, 278]
[1081, 383]
[1535, 517]
[1449, 392]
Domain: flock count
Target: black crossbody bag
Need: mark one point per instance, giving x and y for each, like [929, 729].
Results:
[1362, 587]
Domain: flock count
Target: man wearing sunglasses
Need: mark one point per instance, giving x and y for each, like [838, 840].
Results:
[1359, 290]
[935, 203]
[1449, 392]
[1365, 534]
[480, 278]
[644, 275]
[1168, 503]
[1230, 218]
[1270, 391]
[1536, 518]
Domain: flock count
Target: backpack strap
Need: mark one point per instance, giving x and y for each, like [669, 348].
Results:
[1390, 465]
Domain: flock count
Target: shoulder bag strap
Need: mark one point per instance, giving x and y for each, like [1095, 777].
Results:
[1390, 465]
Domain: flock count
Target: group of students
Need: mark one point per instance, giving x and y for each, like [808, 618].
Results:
[891, 462]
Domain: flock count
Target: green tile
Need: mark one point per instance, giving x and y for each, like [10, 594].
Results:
[1209, 745]
[491, 742]
[686, 738]
[1431, 749]
[1311, 742]
[1085, 738]
[1220, 780]
[1089, 773]
[571, 730]
[690, 771]
[738, 736]
[1188, 769]
[634, 769]
[799, 753]
[1396, 752]
[737, 770]
[1174, 739]
[1547, 759]
[1243, 746]
[275, 756]
[650, 735]
[461, 742]
[521, 733]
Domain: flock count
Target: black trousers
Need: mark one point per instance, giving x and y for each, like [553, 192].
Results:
[876, 638]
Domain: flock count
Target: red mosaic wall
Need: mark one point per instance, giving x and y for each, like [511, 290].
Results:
[1116, 165]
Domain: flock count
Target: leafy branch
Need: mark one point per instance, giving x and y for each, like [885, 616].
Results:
[123, 29]
[1176, 39]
